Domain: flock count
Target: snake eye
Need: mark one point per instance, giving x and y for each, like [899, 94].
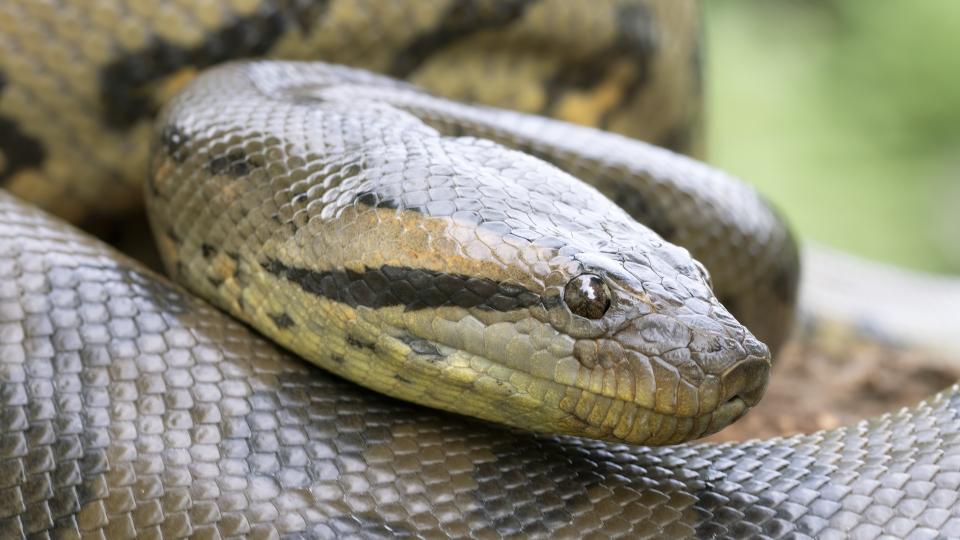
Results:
[587, 296]
[703, 273]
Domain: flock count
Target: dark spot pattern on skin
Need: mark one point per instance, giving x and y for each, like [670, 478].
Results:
[637, 32]
[412, 288]
[174, 141]
[172, 235]
[208, 250]
[123, 82]
[369, 198]
[234, 164]
[360, 344]
[635, 41]
[282, 320]
[464, 18]
[420, 346]
[401, 378]
[18, 150]
[216, 282]
[337, 359]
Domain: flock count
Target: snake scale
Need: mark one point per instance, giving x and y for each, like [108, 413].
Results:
[438, 252]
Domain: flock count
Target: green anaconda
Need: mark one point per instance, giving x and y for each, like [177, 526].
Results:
[444, 253]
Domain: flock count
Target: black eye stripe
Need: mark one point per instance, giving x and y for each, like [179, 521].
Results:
[412, 288]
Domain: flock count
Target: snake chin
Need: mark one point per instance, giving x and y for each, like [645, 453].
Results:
[730, 412]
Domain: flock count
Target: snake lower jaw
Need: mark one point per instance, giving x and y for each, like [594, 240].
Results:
[728, 413]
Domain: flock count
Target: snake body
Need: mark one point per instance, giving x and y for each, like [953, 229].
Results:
[131, 408]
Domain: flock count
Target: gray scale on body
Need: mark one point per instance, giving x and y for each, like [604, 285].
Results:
[132, 409]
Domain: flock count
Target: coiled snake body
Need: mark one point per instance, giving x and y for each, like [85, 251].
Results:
[387, 235]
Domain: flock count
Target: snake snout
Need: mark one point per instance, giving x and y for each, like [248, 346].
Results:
[746, 381]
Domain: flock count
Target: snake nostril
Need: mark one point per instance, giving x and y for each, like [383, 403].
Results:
[747, 380]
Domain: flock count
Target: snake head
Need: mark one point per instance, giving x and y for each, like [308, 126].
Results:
[448, 271]
[551, 309]
[656, 359]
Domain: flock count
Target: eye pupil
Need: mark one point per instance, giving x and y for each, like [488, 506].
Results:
[587, 296]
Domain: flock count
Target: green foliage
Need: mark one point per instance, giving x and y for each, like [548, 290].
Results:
[846, 113]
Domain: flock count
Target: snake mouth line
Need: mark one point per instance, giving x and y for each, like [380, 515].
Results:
[503, 391]
[742, 386]
[533, 402]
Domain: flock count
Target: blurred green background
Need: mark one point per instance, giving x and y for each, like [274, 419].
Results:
[846, 113]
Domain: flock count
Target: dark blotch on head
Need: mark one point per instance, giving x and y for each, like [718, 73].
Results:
[587, 296]
[282, 320]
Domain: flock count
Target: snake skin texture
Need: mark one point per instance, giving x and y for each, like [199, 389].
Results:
[438, 269]
[132, 409]
[80, 80]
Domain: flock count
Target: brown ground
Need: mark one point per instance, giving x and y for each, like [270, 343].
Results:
[830, 376]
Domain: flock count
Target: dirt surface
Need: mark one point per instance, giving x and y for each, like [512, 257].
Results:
[829, 376]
